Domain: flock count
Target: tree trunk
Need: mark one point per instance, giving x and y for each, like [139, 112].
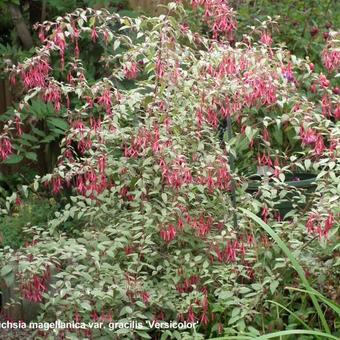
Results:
[20, 26]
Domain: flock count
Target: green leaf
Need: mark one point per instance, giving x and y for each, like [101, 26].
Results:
[86, 306]
[58, 122]
[273, 286]
[13, 159]
[31, 155]
[6, 270]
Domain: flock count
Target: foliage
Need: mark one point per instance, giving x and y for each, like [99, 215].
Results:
[148, 182]
[35, 212]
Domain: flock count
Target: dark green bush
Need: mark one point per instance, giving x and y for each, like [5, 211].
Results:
[34, 212]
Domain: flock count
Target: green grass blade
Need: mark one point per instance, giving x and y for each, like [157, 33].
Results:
[290, 312]
[296, 331]
[279, 334]
[294, 262]
[331, 304]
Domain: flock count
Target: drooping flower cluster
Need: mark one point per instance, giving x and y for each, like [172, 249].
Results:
[219, 16]
[331, 53]
[319, 225]
[34, 289]
[5, 147]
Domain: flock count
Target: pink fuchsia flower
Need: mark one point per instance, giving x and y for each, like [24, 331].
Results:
[106, 100]
[324, 82]
[36, 74]
[168, 234]
[319, 146]
[191, 315]
[56, 185]
[308, 136]
[337, 112]
[264, 214]
[266, 39]
[326, 106]
[328, 224]
[131, 70]
[331, 59]
[94, 34]
[145, 296]
[5, 147]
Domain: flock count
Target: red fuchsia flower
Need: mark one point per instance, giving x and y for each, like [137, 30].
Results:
[229, 253]
[277, 167]
[94, 315]
[41, 35]
[168, 234]
[324, 82]
[336, 90]
[337, 112]
[76, 316]
[319, 146]
[331, 59]
[219, 16]
[106, 36]
[94, 34]
[191, 316]
[160, 316]
[308, 137]
[180, 224]
[199, 118]
[204, 319]
[36, 74]
[333, 146]
[160, 67]
[314, 31]
[52, 94]
[145, 296]
[263, 90]
[264, 160]
[326, 106]
[310, 224]
[184, 27]
[60, 42]
[95, 124]
[328, 224]
[212, 117]
[250, 240]
[56, 185]
[34, 289]
[131, 70]
[264, 214]
[18, 202]
[76, 50]
[84, 145]
[18, 124]
[106, 317]
[277, 216]
[5, 147]
[266, 39]
[79, 126]
[106, 100]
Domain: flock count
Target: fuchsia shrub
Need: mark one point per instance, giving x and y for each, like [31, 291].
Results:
[150, 179]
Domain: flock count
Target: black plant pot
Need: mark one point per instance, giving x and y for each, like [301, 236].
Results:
[305, 181]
